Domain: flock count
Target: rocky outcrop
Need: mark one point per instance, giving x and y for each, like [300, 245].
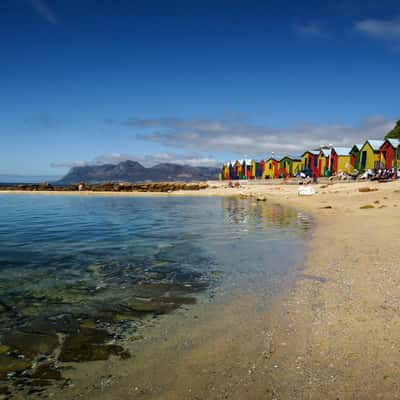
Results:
[112, 187]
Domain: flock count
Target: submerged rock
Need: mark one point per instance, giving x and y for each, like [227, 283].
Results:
[157, 306]
[4, 390]
[4, 349]
[9, 365]
[46, 371]
[89, 345]
[31, 344]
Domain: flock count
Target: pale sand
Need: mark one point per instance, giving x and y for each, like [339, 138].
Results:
[334, 335]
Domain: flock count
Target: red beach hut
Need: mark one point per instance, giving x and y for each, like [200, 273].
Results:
[388, 153]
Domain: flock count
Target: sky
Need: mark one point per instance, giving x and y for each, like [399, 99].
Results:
[197, 82]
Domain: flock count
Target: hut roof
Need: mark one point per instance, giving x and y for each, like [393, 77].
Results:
[375, 144]
[342, 151]
[291, 157]
[394, 142]
[313, 152]
[357, 146]
[326, 152]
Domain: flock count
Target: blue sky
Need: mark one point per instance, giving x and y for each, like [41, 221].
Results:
[86, 82]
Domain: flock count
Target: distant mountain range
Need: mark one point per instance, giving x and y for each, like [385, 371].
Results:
[132, 171]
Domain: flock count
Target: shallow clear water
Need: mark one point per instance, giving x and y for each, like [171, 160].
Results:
[68, 262]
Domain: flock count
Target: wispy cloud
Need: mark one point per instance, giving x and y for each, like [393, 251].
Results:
[309, 30]
[216, 136]
[192, 159]
[388, 30]
[44, 11]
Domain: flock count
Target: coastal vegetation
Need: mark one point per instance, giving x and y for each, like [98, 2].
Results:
[395, 132]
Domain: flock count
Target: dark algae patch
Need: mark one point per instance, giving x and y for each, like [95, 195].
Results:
[84, 315]
[89, 344]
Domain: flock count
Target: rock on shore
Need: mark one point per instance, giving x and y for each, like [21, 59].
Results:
[110, 187]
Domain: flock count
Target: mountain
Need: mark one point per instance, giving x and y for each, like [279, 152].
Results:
[132, 171]
[395, 132]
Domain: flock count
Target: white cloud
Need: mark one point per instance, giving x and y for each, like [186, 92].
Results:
[379, 29]
[245, 138]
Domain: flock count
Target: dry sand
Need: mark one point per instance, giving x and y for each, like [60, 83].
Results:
[335, 334]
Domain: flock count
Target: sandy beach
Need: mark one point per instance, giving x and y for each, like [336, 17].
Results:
[332, 335]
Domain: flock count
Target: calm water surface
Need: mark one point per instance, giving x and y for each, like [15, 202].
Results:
[79, 273]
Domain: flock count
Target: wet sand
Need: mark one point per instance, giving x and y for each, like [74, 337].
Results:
[333, 335]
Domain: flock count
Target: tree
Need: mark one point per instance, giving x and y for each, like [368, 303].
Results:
[395, 132]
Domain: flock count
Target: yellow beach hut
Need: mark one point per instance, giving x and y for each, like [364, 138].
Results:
[341, 160]
[370, 156]
[309, 161]
[271, 169]
[297, 165]
[253, 169]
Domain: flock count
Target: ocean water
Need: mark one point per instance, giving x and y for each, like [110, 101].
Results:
[78, 273]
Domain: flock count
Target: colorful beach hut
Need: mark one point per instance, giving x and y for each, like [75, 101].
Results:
[271, 168]
[285, 167]
[238, 169]
[253, 164]
[324, 166]
[297, 165]
[355, 156]
[370, 156]
[225, 172]
[389, 153]
[341, 160]
[262, 168]
[289, 166]
[309, 162]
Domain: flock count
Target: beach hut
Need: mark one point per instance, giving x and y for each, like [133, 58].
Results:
[341, 160]
[248, 169]
[262, 168]
[225, 171]
[286, 166]
[297, 165]
[309, 162]
[271, 168]
[370, 156]
[253, 164]
[238, 170]
[355, 156]
[324, 162]
[389, 156]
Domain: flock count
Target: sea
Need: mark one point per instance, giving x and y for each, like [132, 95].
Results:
[81, 274]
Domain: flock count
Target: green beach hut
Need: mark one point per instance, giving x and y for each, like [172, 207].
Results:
[289, 165]
[355, 156]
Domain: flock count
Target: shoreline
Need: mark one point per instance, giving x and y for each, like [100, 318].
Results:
[334, 334]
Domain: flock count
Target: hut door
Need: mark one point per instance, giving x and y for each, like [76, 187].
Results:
[363, 159]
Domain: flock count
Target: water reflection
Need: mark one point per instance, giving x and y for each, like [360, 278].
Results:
[254, 215]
